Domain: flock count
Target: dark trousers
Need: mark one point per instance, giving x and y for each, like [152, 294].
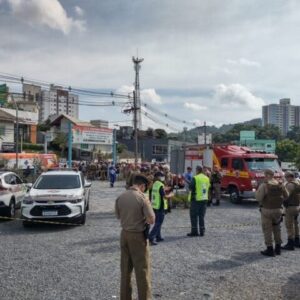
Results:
[156, 230]
[135, 255]
[112, 179]
[197, 214]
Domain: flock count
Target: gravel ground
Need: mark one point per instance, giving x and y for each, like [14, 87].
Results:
[59, 262]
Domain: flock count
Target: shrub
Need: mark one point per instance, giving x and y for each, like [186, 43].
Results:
[180, 200]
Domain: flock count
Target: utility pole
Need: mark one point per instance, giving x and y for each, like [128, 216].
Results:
[70, 138]
[17, 131]
[137, 117]
[205, 133]
[114, 147]
[137, 66]
[135, 128]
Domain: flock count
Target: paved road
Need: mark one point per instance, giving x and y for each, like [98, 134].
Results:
[59, 262]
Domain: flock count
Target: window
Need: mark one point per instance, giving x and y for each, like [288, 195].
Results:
[63, 182]
[159, 149]
[237, 164]
[224, 162]
[19, 181]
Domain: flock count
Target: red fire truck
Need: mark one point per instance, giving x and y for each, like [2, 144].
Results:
[242, 168]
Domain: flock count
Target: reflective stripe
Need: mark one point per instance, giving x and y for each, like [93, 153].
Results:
[166, 204]
[202, 186]
[155, 195]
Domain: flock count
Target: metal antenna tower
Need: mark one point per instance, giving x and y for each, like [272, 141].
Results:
[137, 66]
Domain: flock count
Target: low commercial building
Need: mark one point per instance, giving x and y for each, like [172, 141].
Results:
[88, 140]
[27, 122]
[151, 149]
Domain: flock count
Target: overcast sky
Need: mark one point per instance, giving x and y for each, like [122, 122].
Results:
[212, 60]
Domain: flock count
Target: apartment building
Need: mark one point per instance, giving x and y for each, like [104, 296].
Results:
[57, 101]
[283, 115]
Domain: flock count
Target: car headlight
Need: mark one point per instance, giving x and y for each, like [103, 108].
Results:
[254, 183]
[27, 200]
[73, 201]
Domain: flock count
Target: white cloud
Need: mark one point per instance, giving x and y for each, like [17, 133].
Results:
[236, 95]
[147, 95]
[150, 95]
[244, 62]
[45, 12]
[125, 89]
[194, 106]
[79, 11]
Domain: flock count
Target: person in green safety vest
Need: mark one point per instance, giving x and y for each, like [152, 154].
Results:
[159, 202]
[198, 197]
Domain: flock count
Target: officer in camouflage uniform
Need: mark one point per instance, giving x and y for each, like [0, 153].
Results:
[215, 180]
[270, 196]
[291, 205]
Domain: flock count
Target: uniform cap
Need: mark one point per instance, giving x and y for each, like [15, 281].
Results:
[159, 174]
[289, 174]
[141, 179]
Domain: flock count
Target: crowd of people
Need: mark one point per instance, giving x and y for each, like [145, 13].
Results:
[147, 199]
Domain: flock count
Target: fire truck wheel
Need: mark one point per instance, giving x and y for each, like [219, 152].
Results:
[234, 195]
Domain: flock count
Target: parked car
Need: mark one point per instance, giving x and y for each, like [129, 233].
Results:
[12, 191]
[57, 195]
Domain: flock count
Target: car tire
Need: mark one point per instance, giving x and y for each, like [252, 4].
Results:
[11, 210]
[82, 219]
[234, 195]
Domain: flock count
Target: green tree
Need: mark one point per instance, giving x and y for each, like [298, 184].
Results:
[150, 132]
[287, 150]
[160, 133]
[61, 141]
[44, 126]
[294, 134]
[121, 148]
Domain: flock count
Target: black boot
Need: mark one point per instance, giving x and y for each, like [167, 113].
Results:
[289, 246]
[297, 242]
[268, 252]
[192, 234]
[277, 249]
[202, 232]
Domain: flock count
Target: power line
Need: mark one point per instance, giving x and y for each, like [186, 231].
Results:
[21, 80]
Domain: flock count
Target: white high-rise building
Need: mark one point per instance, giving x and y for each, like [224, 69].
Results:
[283, 115]
[57, 101]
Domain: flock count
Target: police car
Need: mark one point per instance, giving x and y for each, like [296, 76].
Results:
[57, 196]
[12, 191]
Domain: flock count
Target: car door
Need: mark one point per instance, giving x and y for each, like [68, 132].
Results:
[86, 189]
[16, 187]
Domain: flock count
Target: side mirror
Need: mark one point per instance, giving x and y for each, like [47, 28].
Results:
[28, 186]
[87, 184]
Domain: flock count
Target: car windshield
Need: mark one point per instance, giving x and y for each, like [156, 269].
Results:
[260, 163]
[60, 182]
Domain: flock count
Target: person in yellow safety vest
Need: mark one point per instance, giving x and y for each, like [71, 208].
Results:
[198, 197]
[159, 204]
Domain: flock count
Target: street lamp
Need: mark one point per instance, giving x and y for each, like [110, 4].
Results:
[114, 144]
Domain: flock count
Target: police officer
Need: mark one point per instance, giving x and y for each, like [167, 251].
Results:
[198, 196]
[159, 204]
[215, 179]
[270, 196]
[134, 212]
[291, 205]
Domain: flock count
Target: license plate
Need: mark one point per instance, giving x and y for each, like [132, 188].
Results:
[50, 213]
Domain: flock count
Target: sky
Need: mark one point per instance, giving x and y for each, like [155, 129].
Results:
[210, 60]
